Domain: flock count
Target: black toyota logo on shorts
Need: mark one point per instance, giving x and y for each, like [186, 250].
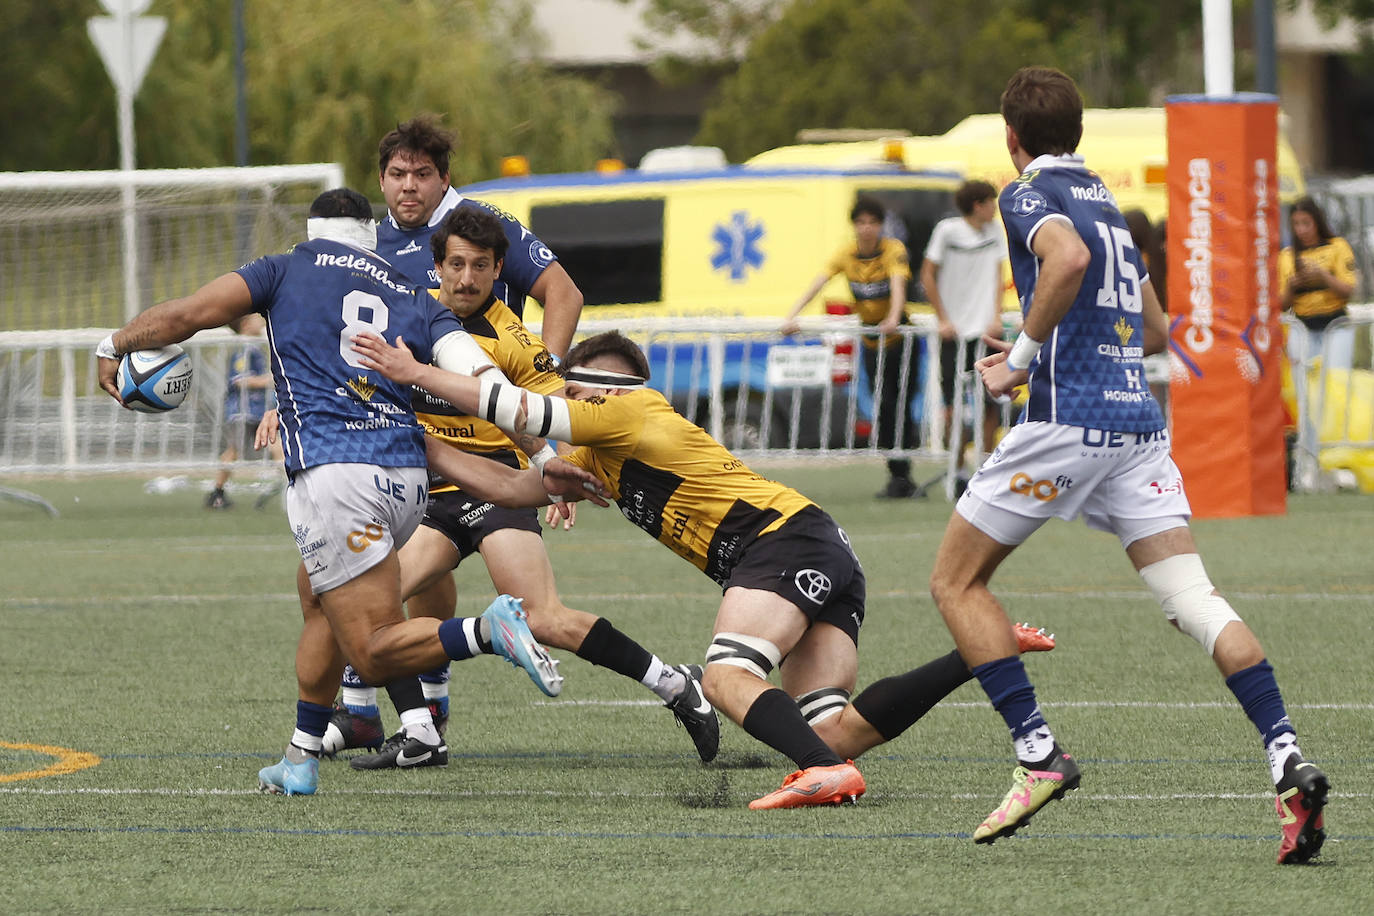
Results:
[813, 584]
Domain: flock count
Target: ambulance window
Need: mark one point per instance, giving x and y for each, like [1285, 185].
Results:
[613, 250]
[912, 215]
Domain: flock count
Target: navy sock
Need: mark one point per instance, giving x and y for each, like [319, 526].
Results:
[455, 639]
[775, 719]
[312, 718]
[1259, 696]
[1007, 686]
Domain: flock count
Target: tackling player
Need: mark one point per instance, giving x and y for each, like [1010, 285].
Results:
[794, 591]
[1092, 442]
[355, 457]
[413, 173]
[468, 248]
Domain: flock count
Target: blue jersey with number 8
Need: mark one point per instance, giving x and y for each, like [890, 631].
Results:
[1089, 373]
[334, 411]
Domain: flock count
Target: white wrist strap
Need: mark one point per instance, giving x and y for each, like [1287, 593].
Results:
[106, 348]
[1023, 352]
[543, 457]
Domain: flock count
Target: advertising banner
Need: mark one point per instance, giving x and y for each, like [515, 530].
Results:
[1225, 342]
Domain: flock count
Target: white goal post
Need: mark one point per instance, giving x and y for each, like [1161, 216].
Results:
[92, 249]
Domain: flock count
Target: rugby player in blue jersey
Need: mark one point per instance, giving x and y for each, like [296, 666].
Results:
[355, 456]
[413, 173]
[1092, 442]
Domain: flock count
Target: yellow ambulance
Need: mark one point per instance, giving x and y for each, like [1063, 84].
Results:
[727, 241]
[1126, 146]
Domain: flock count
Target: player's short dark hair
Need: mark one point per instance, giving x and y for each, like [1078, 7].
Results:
[474, 224]
[1043, 106]
[971, 193]
[420, 136]
[611, 343]
[341, 202]
[865, 204]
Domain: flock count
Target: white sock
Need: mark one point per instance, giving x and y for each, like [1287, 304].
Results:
[1036, 745]
[311, 743]
[418, 723]
[1279, 750]
[434, 691]
[360, 696]
[664, 681]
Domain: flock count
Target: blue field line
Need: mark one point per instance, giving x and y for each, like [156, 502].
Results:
[643, 835]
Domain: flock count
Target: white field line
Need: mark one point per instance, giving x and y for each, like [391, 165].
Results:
[983, 704]
[583, 793]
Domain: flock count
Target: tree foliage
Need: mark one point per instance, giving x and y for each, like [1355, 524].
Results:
[324, 82]
[924, 64]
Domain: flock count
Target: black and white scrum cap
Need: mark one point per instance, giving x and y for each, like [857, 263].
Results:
[603, 378]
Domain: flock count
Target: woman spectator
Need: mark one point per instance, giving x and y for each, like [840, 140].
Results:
[1316, 280]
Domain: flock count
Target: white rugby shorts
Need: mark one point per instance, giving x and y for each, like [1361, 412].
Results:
[346, 518]
[1125, 483]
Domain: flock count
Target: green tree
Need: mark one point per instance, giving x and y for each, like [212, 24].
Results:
[915, 64]
[324, 80]
[921, 64]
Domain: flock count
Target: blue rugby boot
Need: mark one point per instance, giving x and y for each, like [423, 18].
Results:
[287, 778]
[512, 640]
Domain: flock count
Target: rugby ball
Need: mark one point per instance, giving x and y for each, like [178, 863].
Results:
[154, 381]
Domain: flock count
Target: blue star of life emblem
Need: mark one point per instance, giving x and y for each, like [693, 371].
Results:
[737, 245]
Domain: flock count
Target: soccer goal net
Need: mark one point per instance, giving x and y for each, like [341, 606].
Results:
[80, 253]
[91, 249]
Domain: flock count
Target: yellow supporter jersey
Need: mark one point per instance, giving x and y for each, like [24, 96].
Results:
[673, 480]
[870, 279]
[517, 352]
[1334, 256]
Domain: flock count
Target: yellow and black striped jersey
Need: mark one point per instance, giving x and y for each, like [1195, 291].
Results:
[517, 352]
[673, 480]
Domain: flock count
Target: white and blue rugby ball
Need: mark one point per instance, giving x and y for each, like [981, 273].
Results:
[154, 381]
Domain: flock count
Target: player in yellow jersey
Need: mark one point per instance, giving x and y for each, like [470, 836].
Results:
[468, 248]
[794, 591]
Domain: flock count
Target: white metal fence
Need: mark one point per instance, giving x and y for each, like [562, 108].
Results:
[759, 394]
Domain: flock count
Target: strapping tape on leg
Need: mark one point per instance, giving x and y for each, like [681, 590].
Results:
[819, 705]
[1181, 587]
[751, 653]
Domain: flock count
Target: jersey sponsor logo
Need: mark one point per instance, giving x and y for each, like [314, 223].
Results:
[358, 541]
[362, 387]
[543, 362]
[362, 265]
[413, 247]
[813, 584]
[1027, 201]
[1097, 194]
[1123, 329]
[1043, 490]
[540, 255]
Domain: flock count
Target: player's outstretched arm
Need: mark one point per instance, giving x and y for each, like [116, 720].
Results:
[217, 303]
[505, 486]
[399, 364]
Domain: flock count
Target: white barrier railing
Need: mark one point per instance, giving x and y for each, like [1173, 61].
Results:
[759, 394]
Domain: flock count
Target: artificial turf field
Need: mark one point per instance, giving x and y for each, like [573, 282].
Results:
[150, 641]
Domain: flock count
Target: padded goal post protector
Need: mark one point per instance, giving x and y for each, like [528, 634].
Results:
[1225, 339]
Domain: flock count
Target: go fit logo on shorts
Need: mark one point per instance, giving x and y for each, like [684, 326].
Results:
[1042, 490]
[358, 541]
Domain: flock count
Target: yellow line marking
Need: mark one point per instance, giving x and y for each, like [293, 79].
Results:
[68, 761]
